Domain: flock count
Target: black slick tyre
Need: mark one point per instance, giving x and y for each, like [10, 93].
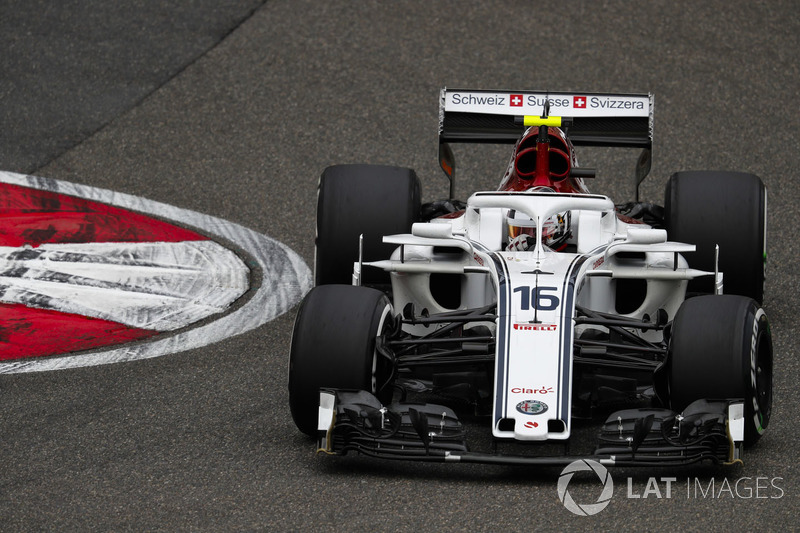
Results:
[721, 348]
[706, 208]
[333, 345]
[353, 200]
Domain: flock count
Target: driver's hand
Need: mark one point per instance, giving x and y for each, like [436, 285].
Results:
[521, 243]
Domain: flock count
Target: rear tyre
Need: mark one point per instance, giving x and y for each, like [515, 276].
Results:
[721, 348]
[361, 199]
[333, 345]
[707, 208]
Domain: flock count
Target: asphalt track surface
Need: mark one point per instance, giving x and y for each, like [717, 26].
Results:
[233, 109]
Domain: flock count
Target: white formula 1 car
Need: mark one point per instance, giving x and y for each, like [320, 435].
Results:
[537, 305]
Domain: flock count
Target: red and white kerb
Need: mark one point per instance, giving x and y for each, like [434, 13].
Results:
[88, 269]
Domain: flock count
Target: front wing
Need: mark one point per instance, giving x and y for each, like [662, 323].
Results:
[356, 421]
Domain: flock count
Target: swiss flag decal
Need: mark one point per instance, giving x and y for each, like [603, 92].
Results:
[579, 102]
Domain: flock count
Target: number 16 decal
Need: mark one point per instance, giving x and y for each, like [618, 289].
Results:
[541, 297]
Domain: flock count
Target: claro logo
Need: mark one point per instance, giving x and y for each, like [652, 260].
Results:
[524, 390]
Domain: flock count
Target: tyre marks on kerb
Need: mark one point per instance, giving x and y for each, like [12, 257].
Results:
[285, 278]
[157, 286]
[87, 261]
[34, 332]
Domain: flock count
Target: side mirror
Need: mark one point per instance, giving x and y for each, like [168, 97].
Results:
[646, 236]
[432, 230]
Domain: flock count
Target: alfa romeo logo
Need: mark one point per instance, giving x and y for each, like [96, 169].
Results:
[585, 509]
[531, 407]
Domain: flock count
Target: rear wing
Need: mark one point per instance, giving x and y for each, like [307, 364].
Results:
[588, 119]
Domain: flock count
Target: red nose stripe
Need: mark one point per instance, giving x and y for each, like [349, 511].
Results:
[29, 332]
[34, 217]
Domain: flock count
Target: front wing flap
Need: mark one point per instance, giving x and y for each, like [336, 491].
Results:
[356, 420]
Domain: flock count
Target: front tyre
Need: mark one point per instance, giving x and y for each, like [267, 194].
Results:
[729, 209]
[369, 200]
[721, 348]
[333, 346]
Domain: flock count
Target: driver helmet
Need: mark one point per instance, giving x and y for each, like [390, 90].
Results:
[522, 231]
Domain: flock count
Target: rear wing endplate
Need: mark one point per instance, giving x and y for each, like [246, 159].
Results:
[588, 119]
